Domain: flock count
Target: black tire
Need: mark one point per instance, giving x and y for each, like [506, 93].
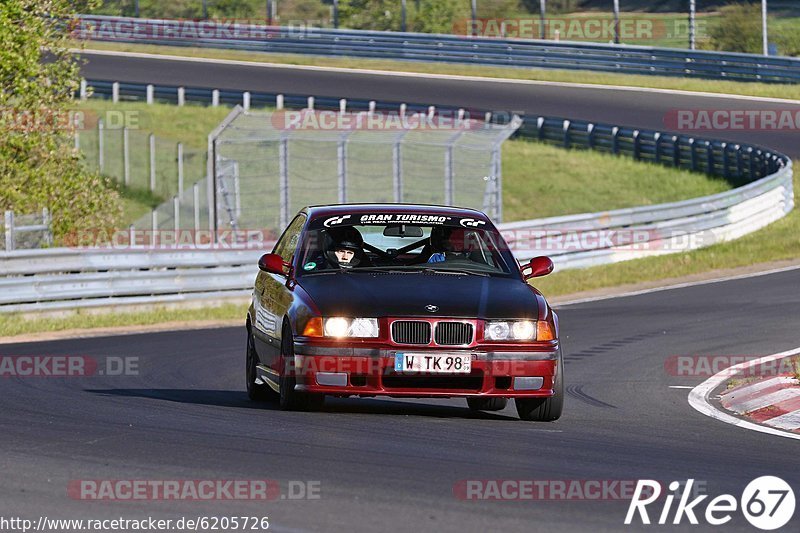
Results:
[487, 404]
[291, 399]
[544, 409]
[255, 391]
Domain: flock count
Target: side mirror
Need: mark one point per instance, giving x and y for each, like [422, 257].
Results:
[539, 266]
[272, 264]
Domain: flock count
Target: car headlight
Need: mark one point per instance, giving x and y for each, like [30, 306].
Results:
[510, 330]
[350, 327]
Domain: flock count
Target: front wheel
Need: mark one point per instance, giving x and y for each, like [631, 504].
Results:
[257, 392]
[544, 409]
[291, 399]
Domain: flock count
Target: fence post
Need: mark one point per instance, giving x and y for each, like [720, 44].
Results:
[657, 146]
[176, 214]
[126, 157]
[246, 100]
[9, 227]
[397, 171]
[403, 108]
[100, 146]
[48, 232]
[283, 164]
[181, 96]
[341, 159]
[448, 175]
[676, 151]
[739, 161]
[590, 135]
[237, 197]
[152, 139]
[497, 169]
[540, 128]
[725, 160]
[637, 146]
[371, 107]
[153, 227]
[310, 104]
[115, 92]
[84, 91]
[567, 140]
[215, 98]
[710, 164]
[279, 101]
[150, 93]
[196, 206]
[180, 169]
[615, 140]
[343, 106]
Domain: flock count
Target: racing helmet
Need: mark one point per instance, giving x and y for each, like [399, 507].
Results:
[346, 238]
[448, 239]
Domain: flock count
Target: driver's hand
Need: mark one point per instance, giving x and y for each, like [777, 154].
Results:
[436, 258]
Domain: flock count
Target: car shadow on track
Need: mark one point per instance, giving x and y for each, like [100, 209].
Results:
[220, 398]
[365, 406]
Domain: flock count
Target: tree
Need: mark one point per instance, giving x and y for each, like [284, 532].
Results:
[440, 16]
[38, 78]
[370, 14]
[738, 29]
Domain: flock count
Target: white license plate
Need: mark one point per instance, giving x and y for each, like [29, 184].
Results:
[433, 363]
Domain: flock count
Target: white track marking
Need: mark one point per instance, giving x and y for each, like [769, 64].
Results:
[681, 387]
[423, 75]
[747, 390]
[678, 286]
[788, 421]
[698, 397]
[766, 400]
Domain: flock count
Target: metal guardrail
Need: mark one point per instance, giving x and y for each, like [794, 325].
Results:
[443, 48]
[73, 278]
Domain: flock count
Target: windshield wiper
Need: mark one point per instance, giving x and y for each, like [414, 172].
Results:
[457, 272]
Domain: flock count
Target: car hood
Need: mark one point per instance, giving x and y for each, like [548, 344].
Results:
[408, 294]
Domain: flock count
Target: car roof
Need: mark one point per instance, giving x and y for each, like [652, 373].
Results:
[339, 209]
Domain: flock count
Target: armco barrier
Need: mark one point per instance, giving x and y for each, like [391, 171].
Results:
[57, 279]
[75, 279]
[442, 48]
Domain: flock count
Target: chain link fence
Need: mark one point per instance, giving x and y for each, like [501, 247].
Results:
[140, 160]
[268, 165]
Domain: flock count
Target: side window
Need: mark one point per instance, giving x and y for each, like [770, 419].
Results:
[288, 242]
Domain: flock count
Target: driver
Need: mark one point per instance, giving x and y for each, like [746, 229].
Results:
[448, 244]
[345, 247]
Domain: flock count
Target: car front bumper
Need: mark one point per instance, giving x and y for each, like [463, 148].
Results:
[346, 371]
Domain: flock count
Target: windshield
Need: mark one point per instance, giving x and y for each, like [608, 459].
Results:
[403, 247]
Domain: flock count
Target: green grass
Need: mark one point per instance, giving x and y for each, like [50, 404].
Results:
[537, 182]
[778, 241]
[786, 91]
[16, 324]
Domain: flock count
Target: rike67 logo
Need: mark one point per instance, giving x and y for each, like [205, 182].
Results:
[767, 502]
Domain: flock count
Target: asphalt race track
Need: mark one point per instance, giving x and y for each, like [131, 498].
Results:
[392, 464]
[627, 108]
